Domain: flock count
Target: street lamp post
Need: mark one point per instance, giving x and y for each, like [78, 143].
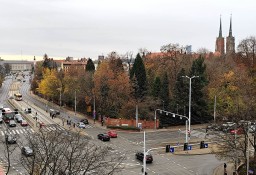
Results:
[94, 111]
[189, 113]
[75, 102]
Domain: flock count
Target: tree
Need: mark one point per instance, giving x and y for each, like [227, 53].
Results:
[247, 50]
[90, 65]
[180, 95]
[59, 152]
[199, 107]
[156, 87]
[165, 92]
[139, 73]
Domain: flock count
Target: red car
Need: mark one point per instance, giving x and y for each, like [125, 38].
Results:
[237, 131]
[112, 134]
[24, 123]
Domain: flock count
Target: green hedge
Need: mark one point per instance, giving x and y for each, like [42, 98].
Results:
[124, 127]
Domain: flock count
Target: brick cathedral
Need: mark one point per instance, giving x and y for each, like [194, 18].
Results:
[230, 41]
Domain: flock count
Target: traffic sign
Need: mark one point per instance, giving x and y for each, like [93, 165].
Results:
[172, 149]
[189, 147]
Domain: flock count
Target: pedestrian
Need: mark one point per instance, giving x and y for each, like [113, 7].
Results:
[67, 122]
[63, 122]
[74, 125]
[36, 113]
[225, 165]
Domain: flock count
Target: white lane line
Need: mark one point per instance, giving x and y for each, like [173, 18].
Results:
[21, 131]
[17, 131]
[2, 133]
[32, 130]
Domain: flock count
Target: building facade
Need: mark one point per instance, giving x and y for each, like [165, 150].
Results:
[220, 42]
[18, 66]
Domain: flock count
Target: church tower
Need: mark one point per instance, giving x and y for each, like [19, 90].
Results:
[230, 40]
[220, 45]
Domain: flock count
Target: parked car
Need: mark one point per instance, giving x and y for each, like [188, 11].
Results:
[104, 137]
[112, 134]
[85, 121]
[24, 123]
[12, 123]
[140, 156]
[81, 125]
[27, 151]
[237, 131]
[10, 139]
[18, 118]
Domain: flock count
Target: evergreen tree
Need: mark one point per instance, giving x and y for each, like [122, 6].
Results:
[138, 71]
[156, 87]
[165, 92]
[199, 107]
[180, 93]
[90, 65]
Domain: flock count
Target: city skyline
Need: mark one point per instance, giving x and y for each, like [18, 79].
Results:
[88, 29]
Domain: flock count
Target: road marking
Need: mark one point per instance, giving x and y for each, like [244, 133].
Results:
[17, 131]
[2, 133]
[21, 131]
[32, 130]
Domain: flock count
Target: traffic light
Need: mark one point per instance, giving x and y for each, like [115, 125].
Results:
[201, 144]
[16, 111]
[3, 112]
[29, 110]
[185, 147]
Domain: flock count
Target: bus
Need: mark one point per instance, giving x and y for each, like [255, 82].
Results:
[7, 115]
[18, 96]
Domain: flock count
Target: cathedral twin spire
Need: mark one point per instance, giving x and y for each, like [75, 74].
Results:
[230, 41]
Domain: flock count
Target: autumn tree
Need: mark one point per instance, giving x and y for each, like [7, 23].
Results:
[59, 152]
[247, 51]
[112, 89]
[156, 87]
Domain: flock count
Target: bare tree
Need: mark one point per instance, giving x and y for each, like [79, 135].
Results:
[62, 153]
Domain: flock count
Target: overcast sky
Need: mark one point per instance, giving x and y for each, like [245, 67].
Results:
[83, 28]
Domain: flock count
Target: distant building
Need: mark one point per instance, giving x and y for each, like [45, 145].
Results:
[65, 65]
[220, 45]
[188, 49]
[17, 66]
[230, 42]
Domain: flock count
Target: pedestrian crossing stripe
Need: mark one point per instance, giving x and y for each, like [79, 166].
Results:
[17, 131]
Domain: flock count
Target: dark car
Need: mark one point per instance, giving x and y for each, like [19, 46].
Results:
[27, 151]
[10, 139]
[104, 137]
[85, 121]
[140, 156]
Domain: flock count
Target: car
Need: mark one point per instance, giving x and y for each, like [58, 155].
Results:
[26, 151]
[1, 119]
[54, 112]
[18, 118]
[237, 131]
[85, 121]
[104, 137]
[81, 125]
[12, 123]
[112, 134]
[24, 123]
[10, 139]
[140, 156]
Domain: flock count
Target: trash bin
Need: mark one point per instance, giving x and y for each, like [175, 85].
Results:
[202, 145]
[167, 148]
[185, 146]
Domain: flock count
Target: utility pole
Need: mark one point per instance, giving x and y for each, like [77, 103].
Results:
[75, 102]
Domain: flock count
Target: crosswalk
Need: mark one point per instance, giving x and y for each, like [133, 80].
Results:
[17, 131]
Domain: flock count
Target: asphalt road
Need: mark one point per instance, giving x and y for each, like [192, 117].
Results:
[128, 143]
